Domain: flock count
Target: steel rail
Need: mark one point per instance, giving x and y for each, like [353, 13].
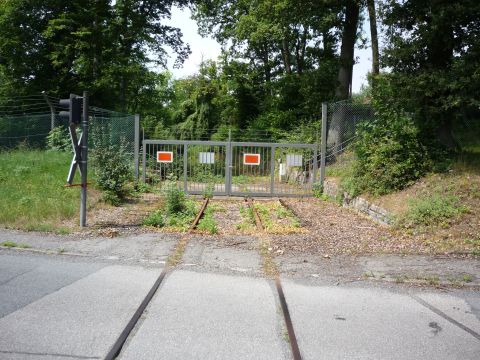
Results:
[120, 342]
[278, 284]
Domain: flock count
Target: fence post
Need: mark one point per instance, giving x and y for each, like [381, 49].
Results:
[52, 110]
[144, 162]
[323, 148]
[83, 165]
[137, 146]
[228, 168]
[185, 167]
[272, 171]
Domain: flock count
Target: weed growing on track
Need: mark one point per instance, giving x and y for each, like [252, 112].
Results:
[178, 213]
[208, 223]
[248, 219]
[179, 221]
[277, 219]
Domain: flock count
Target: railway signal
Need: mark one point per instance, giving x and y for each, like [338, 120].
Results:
[74, 106]
[73, 113]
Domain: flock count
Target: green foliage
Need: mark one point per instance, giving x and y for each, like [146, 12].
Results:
[143, 188]
[389, 155]
[434, 78]
[101, 45]
[112, 170]
[155, 219]
[208, 223]
[248, 218]
[175, 197]
[432, 210]
[32, 190]
[317, 189]
[208, 191]
[58, 139]
[9, 244]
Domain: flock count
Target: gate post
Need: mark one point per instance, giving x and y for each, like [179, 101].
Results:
[272, 171]
[144, 163]
[228, 169]
[323, 144]
[137, 146]
[185, 167]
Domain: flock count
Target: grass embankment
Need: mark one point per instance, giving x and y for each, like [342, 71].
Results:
[441, 210]
[32, 192]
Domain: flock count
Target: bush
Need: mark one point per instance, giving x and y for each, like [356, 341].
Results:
[175, 197]
[432, 210]
[155, 219]
[389, 155]
[317, 189]
[59, 139]
[112, 170]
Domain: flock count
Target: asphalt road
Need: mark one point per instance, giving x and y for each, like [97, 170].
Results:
[63, 307]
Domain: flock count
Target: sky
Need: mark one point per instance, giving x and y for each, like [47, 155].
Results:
[208, 48]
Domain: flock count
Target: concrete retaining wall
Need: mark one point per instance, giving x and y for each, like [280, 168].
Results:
[377, 213]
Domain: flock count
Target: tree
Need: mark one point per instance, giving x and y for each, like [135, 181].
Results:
[104, 46]
[374, 37]
[347, 50]
[433, 50]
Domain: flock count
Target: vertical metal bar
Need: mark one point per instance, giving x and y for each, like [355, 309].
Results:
[272, 171]
[83, 162]
[228, 168]
[323, 144]
[185, 167]
[137, 145]
[144, 162]
[315, 164]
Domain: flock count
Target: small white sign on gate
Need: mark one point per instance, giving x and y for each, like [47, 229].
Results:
[294, 160]
[206, 158]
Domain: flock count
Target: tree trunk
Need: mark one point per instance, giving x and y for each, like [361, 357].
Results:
[347, 50]
[374, 37]
[266, 64]
[300, 50]
[286, 56]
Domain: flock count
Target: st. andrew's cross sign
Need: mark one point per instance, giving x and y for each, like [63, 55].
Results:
[73, 113]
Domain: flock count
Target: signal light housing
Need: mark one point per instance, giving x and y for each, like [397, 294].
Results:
[74, 106]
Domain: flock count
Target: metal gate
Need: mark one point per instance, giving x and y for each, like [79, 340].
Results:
[232, 168]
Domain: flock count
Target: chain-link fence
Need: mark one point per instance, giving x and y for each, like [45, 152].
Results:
[33, 122]
[344, 117]
[342, 120]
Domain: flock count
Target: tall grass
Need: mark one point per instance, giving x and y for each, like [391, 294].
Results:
[32, 192]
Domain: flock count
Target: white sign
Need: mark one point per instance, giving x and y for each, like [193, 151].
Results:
[206, 158]
[294, 160]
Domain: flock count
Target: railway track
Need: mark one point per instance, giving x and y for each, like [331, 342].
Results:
[278, 285]
[118, 345]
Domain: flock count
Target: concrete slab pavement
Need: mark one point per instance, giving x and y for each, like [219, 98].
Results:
[80, 320]
[24, 279]
[455, 307]
[210, 316]
[357, 323]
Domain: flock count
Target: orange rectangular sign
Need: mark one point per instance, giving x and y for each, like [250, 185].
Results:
[164, 156]
[251, 159]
